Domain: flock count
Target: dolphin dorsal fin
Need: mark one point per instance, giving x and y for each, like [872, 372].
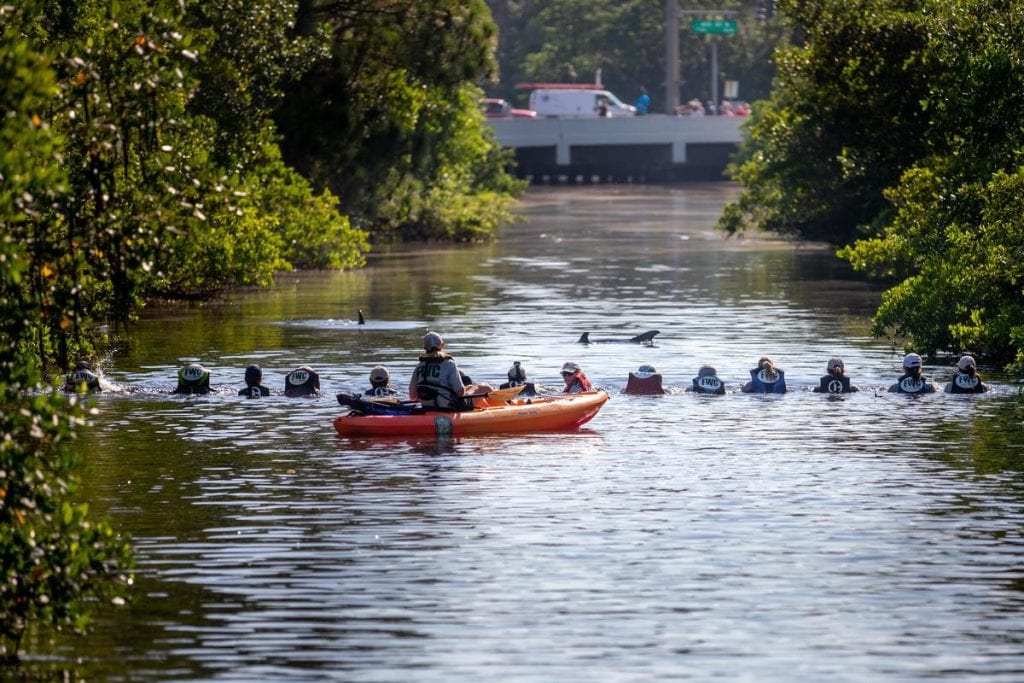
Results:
[647, 336]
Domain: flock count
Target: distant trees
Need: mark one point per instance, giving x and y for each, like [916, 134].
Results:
[139, 157]
[387, 119]
[893, 129]
[569, 40]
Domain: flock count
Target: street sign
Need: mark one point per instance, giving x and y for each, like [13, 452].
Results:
[716, 26]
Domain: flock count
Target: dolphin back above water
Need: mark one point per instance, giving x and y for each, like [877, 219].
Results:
[645, 338]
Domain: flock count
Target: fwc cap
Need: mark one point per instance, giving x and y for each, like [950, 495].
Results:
[835, 362]
[571, 367]
[380, 374]
[432, 341]
[912, 360]
[966, 362]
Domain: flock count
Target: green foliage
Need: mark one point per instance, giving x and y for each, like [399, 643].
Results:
[899, 123]
[54, 559]
[842, 123]
[389, 125]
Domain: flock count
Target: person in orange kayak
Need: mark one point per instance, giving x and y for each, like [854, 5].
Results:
[437, 382]
[380, 383]
[575, 380]
[517, 378]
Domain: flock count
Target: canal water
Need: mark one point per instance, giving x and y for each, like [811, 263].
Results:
[745, 537]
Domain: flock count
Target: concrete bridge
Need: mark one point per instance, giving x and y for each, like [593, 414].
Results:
[653, 148]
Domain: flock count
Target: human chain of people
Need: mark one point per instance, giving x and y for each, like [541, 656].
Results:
[437, 382]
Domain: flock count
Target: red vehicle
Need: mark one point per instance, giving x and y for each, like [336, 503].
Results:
[494, 108]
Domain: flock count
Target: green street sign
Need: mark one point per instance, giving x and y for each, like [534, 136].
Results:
[716, 26]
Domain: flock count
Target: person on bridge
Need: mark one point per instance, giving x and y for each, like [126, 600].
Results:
[835, 380]
[643, 102]
[765, 379]
[912, 381]
[966, 380]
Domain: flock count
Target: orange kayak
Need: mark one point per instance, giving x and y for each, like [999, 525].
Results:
[541, 414]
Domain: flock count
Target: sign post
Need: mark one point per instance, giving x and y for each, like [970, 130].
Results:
[714, 28]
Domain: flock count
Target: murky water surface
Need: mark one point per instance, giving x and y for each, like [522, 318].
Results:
[874, 537]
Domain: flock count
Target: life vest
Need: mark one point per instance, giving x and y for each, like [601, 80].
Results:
[302, 381]
[254, 391]
[708, 384]
[383, 390]
[962, 383]
[431, 389]
[579, 383]
[830, 384]
[193, 379]
[82, 380]
[647, 385]
[910, 385]
[760, 384]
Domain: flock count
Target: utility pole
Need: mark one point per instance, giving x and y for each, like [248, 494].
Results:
[671, 56]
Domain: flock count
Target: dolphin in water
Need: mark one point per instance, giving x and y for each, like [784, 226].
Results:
[645, 338]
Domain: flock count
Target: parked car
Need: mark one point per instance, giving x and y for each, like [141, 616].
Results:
[494, 108]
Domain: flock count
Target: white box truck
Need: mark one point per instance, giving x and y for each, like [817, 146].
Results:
[578, 103]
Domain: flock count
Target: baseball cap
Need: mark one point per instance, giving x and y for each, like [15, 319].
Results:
[835, 362]
[912, 360]
[966, 362]
[431, 341]
[645, 371]
[571, 367]
[379, 374]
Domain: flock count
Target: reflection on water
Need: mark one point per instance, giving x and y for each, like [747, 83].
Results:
[870, 537]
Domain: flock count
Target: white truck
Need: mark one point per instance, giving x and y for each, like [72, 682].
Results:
[579, 103]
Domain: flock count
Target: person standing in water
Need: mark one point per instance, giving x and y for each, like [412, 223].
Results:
[254, 383]
[835, 380]
[913, 381]
[765, 379]
[966, 380]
